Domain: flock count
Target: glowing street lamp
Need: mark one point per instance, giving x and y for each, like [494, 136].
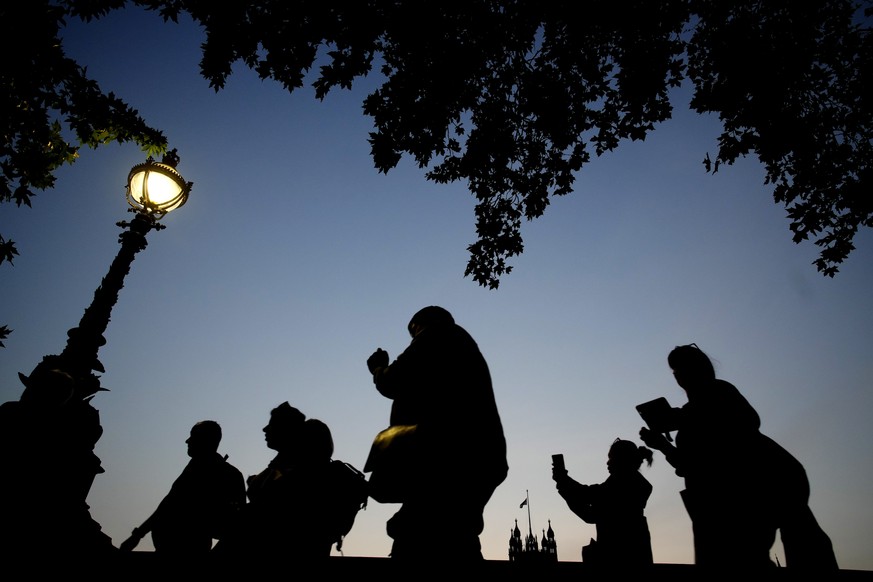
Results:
[153, 190]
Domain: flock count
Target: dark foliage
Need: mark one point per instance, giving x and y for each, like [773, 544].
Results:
[50, 108]
[512, 97]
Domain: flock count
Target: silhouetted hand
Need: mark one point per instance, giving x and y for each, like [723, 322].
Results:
[379, 359]
[654, 440]
[559, 475]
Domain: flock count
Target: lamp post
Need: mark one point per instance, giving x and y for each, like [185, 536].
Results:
[49, 434]
[153, 190]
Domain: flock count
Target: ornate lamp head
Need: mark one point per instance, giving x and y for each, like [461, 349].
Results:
[156, 188]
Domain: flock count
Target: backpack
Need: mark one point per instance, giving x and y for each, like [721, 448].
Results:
[350, 493]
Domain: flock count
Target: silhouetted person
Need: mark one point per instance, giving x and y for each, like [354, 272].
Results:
[442, 384]
[201, 504]
[616, 506]
[740, 485]
[289, 515]
[47, 441]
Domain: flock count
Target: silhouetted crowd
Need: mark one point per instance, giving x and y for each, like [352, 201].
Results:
[441, 458]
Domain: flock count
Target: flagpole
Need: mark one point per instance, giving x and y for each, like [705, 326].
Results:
[529, 523]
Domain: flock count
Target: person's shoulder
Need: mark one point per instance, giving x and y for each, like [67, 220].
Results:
[641, 479]
[231, 469]
[715, 393]
[459, 339]
[10, 406]
[726, 391]
[10, 412]
[725, 387]
[224, 467]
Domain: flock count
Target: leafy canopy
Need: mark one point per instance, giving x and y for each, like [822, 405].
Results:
[50, 108]
[513, 97]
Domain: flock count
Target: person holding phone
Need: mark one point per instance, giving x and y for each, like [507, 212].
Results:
[616, 507]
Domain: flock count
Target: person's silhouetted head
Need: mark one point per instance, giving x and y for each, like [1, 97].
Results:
[284, 427]
[691, 366]
[627, 456]
[204, 439]
[316, 442]
[431, 316]
[51, 388]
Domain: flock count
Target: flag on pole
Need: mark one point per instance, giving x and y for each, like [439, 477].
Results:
[523, 503]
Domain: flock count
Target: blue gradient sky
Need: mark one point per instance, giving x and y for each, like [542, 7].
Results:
[294, 259]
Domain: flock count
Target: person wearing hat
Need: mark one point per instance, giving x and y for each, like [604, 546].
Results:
[47, 441]
[441, 384]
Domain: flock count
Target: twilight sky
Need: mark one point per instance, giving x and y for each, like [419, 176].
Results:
[294, 259]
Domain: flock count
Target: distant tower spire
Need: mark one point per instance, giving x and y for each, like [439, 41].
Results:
[532, 550]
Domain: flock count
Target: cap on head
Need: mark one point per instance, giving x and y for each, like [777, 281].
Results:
[430, 316]
[47, 387]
